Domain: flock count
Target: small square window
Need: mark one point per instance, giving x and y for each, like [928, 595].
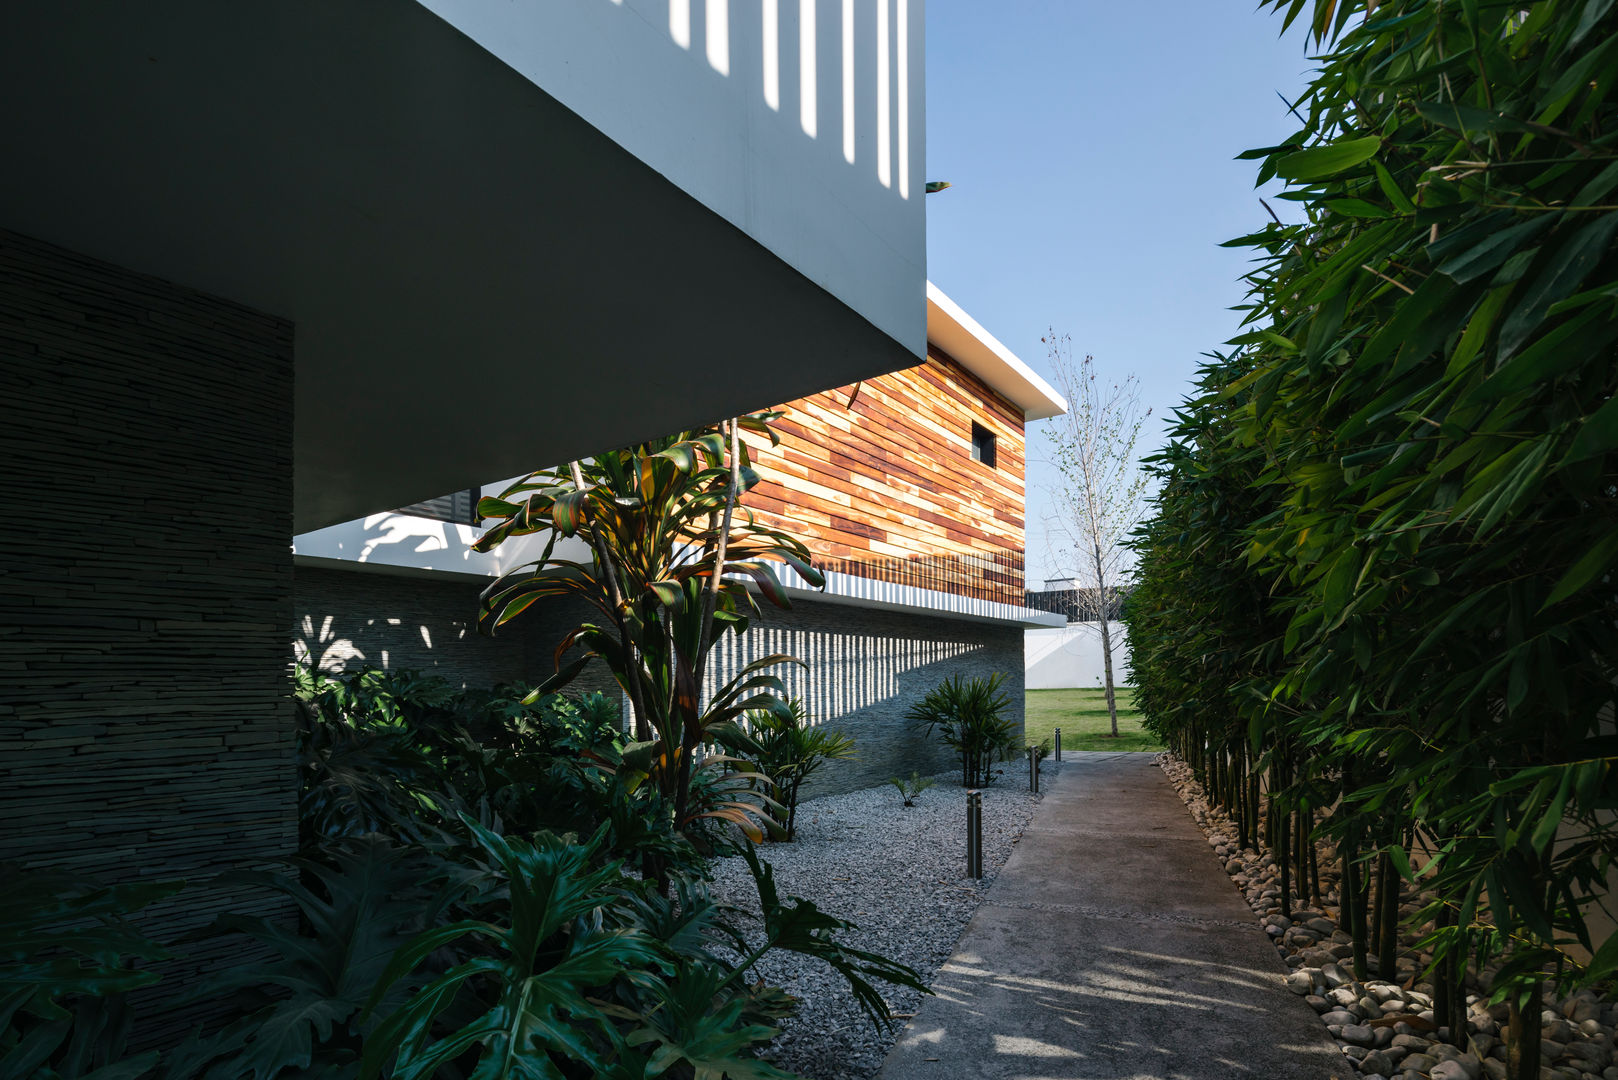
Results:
[983, 445]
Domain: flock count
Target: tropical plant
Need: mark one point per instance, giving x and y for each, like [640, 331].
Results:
[910, 790]
[566, 967]
[527, 991]
[969, 715]
[1380, 581]
[66, 944]
[797, 925]
[402, 754]
[790, 751]
[672, 552]
[298, 1008]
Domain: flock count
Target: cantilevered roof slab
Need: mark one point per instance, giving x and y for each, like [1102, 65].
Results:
[481, 281]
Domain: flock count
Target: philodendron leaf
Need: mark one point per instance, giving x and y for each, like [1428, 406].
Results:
[1321, 162]
[131, 1068]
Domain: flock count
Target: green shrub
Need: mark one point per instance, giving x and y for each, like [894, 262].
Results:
[969, 715]
[299, 1009]
[673, 555]
[66, 945]
[789, 751]
[910, 789]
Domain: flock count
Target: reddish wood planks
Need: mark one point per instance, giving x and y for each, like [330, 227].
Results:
[885, 477]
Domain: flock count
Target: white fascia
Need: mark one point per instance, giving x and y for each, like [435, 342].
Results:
[981, 353]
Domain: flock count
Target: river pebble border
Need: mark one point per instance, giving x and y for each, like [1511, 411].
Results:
[899, 874]
[1385, 1028]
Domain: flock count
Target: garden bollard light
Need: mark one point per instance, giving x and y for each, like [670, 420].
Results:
[1033, 769]
[974, 834]
[1058, 744]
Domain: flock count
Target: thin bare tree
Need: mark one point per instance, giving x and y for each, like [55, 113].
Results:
[1102, 495]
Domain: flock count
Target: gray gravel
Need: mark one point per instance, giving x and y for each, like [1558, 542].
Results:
[899, 874]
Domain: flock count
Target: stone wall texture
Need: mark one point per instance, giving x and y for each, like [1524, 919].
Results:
[865, 668]
[145, 727]
[346, 619]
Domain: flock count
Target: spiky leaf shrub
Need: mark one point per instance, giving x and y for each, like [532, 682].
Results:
[790, 750]
[969, 715]
[671, 554]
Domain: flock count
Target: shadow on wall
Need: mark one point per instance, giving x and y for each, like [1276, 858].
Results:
[845, 674]
[865, 669]
[348, 619]
[839, 73]
[365, 645]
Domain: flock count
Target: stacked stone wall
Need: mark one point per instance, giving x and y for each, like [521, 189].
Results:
[145, 726]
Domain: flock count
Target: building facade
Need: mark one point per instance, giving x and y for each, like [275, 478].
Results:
[908, 488]
[272, 265]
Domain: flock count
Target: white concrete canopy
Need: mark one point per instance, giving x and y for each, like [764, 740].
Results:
[481, 281]
[980, 352]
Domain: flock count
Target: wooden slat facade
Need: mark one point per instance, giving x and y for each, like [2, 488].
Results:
[878, 478]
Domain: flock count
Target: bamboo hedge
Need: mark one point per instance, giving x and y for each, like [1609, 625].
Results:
[1377, 602]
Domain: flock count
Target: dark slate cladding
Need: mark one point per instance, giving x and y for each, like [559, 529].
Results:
[348, 619]
[145, 727]
[864, 668]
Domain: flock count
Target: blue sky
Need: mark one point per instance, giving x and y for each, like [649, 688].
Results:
[1091, 151]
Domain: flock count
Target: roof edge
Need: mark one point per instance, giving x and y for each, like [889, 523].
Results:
[980, 352]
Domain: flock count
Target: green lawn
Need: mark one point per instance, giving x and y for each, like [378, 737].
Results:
[1082, 716]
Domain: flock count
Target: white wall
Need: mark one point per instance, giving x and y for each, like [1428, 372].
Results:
[822, 163]
[1069, 657]
[407, 542]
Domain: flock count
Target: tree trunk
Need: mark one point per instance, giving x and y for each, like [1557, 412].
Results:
[1388, 898]
[1106, 640]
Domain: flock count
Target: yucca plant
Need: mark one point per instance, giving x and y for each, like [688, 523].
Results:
[790, 751]
[671, 554]
[969, 715]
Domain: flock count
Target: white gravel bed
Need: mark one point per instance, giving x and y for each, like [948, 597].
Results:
[899, 874]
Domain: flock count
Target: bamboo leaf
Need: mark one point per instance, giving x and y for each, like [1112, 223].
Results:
[1592, 565]
[1321, 162]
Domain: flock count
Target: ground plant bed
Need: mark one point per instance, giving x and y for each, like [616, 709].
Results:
[897, 872]
[1385, 1026]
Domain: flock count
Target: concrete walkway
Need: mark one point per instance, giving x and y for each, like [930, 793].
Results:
[1112, 946]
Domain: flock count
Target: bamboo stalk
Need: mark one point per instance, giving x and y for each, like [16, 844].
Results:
[1523, 1037]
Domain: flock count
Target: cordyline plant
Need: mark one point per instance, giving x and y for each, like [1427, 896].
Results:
[672, 552]
[1392, 516]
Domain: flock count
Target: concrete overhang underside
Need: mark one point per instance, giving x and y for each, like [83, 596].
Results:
[481, 282]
